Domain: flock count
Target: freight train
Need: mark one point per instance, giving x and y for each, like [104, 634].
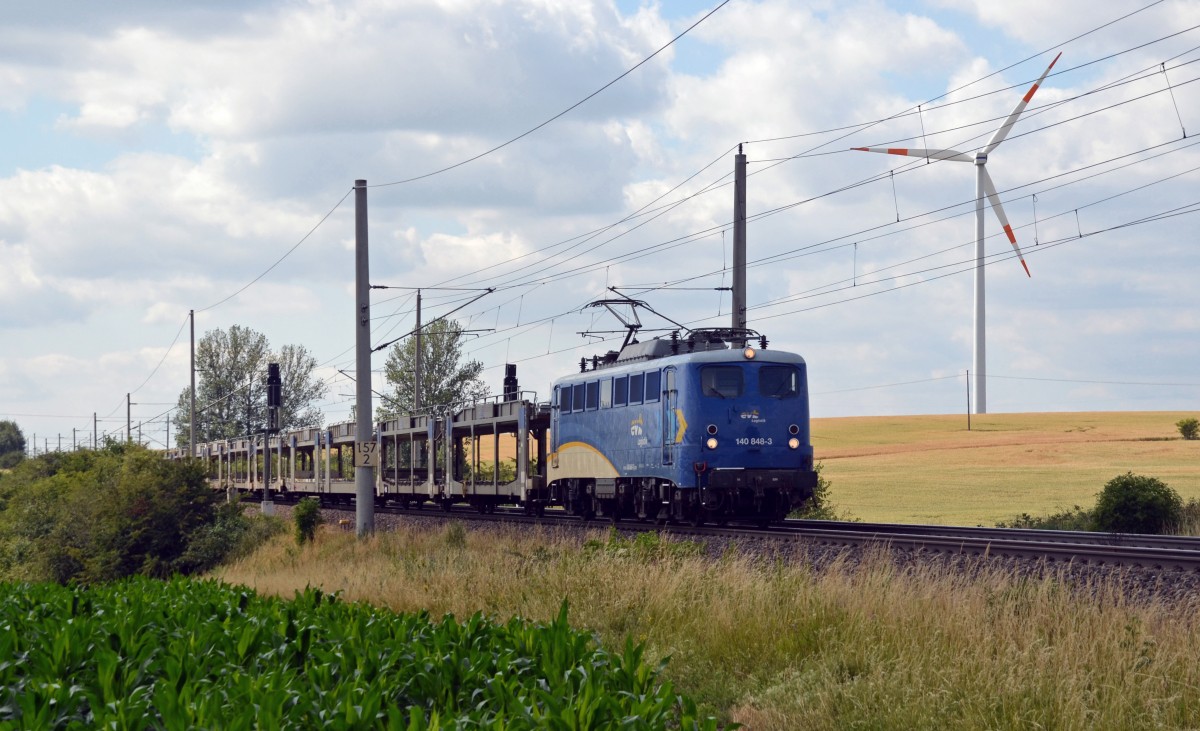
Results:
[706, 426]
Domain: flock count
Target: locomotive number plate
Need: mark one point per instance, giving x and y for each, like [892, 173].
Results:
[753, 441]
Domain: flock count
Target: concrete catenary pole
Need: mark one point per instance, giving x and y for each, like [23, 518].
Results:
[364, 476]
[95, 433]
[739, 240]
[191, 394]
[417, 360]
[274, 390]
[128, 419]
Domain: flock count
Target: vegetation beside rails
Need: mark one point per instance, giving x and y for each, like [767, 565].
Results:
[772, 644]
[189, 654]
[101, 515]
[1128, 503]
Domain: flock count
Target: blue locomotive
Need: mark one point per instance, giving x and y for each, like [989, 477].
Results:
[706, 428]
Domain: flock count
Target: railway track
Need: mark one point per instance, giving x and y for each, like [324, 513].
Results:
[1160, 553]
[1163, 553]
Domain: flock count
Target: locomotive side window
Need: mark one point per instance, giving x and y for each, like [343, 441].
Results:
[620, 390]
[564, 400]
[577, 397]
[606, 393]
[778, 381]
[653, 385]
[721, 381]
[635, 388]
[593, 395]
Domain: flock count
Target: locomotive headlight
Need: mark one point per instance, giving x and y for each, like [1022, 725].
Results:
[711, 443]
[749, 353]
[712, 429]
[793, 443]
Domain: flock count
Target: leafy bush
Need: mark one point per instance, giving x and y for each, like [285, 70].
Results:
[307, 516]
[1189, 428]
[125, 655]
[99, 515]
[1132, 503]
[1076, 518]
[233, 534]
[1189, 520]
[819, 507]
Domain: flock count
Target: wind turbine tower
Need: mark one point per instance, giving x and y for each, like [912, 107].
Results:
[983, 188]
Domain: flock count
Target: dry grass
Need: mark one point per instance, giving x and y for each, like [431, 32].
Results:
[930, 469]
[778, 646]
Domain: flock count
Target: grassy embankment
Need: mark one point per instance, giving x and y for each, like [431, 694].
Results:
[930, 469]
[779, 646]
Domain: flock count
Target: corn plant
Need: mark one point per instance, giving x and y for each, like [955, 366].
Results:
[188, 654]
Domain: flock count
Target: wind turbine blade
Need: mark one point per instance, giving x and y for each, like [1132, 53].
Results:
[1001, 133]
[916, 152]
[994, 198]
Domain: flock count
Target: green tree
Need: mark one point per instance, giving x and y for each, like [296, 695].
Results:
[12, 444]
[445, 379]
[231, 391]
[1189, 428]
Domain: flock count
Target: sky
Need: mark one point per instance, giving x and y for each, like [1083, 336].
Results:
[160, 158]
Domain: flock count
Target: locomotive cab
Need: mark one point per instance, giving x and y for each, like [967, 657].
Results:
[755, 456]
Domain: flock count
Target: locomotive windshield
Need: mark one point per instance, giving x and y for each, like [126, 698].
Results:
[778, 381]
[721, 381]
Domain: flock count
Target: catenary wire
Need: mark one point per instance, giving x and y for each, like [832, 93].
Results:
[563, 112]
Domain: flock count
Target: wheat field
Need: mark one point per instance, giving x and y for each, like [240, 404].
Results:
[931, 469]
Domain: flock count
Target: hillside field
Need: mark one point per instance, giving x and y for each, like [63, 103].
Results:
[930, 469]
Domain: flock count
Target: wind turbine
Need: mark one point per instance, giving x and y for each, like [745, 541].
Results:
[983, 188]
